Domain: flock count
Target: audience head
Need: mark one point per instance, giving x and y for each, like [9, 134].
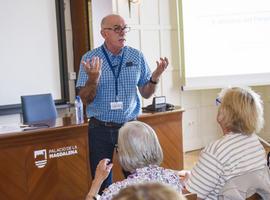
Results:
[240, 111]
[148, 191]
[138, 146]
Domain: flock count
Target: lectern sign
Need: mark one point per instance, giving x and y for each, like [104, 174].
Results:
[40, 156]
[63, 151]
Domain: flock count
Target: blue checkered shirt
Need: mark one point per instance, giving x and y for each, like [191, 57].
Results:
[134, 73]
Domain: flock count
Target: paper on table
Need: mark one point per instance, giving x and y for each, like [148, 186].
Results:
[7, 128]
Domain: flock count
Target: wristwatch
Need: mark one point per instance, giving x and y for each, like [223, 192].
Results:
[92, 197]
[153, 82]
[96, 197]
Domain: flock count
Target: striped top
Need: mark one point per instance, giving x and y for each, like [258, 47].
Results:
[230, 156]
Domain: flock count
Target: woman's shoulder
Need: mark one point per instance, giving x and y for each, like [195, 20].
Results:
[222, 143]
[140, 176]
[150, 173]
[155, 173]
[113, 189]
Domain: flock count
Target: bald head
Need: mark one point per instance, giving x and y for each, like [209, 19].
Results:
[113, 30]
[110, 20]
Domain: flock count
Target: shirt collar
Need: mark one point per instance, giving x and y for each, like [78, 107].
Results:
[112, 55]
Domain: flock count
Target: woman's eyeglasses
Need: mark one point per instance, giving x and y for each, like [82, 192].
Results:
[116, 148]
[218, 101]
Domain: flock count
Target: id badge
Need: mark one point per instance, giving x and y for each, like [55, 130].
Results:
[117, 105]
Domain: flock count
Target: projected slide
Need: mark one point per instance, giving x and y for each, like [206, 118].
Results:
[226, 38]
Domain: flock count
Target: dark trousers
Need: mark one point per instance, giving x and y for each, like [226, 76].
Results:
[102, 141]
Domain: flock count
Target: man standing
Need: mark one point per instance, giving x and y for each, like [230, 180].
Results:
[110, 80]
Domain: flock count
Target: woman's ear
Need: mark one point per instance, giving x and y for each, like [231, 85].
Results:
[220, 116]
[220, 120]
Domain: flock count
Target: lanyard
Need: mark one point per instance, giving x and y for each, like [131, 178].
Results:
[116, 76]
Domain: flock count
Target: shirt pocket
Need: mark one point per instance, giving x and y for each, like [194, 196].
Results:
[131, 74]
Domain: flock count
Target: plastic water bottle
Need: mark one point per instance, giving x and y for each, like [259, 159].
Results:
[79, 110]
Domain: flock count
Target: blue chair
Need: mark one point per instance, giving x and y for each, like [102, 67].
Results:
[37, 108]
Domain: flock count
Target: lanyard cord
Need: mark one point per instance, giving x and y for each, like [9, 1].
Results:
[116, 76]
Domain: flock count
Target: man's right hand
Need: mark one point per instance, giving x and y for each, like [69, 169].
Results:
[93, 69]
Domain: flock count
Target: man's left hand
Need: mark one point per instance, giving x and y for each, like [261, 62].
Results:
[162, 65]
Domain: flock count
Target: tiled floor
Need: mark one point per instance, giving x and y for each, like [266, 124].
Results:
[190, 159]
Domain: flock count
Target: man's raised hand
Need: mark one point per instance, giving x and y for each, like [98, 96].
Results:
[162, 65]
[93, 68]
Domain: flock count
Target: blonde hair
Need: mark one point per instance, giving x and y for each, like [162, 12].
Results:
[241, 110]
[138, 146]
[148, 191]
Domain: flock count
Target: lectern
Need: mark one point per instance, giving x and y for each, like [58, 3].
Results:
[48, 163]
[53, 163]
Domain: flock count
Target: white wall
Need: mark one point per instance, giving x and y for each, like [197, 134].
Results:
[29, 57]
[100, 8]
[155, 33]
[69, 45]
[16, 118]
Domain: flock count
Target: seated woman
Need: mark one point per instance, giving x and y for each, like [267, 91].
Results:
[238, 152]
[140, 154]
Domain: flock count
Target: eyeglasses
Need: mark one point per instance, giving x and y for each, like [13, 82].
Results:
[116, 148]
[119, 29]
[218, 101]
